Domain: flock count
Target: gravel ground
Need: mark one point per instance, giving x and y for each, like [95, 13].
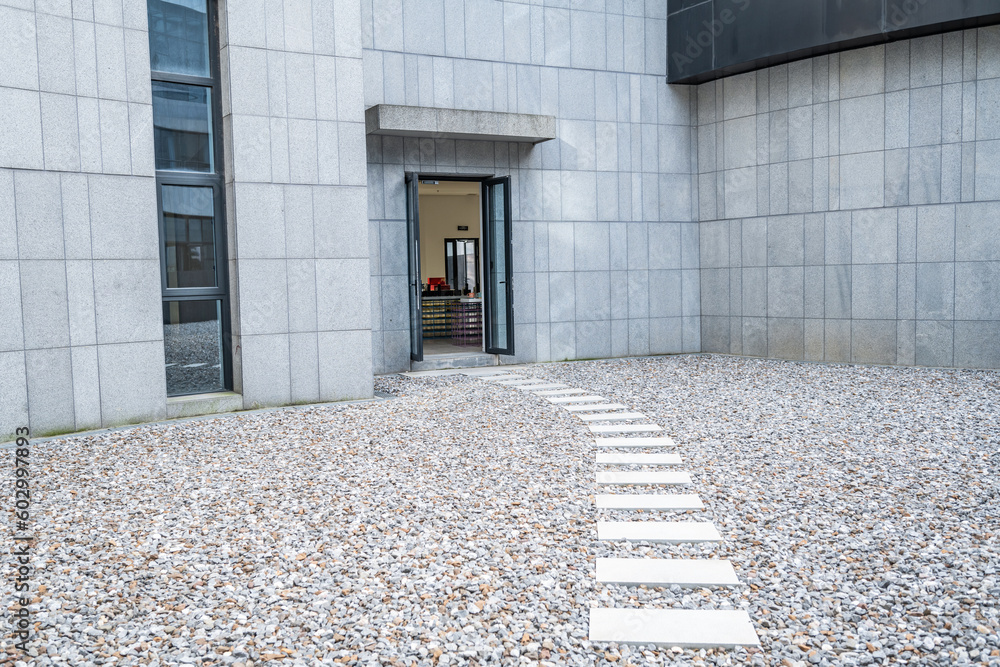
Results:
[454, 524]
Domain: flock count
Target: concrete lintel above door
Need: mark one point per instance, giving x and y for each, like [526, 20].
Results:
[407, 121]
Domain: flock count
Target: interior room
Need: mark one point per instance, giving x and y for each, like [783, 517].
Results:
[451, 266]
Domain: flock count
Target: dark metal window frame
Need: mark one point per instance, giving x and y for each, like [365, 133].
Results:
[475, 245]
[214, 180]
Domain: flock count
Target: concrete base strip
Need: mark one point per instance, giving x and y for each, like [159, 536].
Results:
[697, 573]
[663, 532]
[575, 399]
[615, 416]
[594, 407]
[560, 392]
[643, 477]
[627, 501]
[687, 628]
[638, 459]
[626, 428]
[635, 442]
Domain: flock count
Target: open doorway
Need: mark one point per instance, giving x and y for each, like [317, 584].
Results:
[461, 296]
[450, 276]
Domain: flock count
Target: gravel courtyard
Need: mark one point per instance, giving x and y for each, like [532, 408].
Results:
[455, 523]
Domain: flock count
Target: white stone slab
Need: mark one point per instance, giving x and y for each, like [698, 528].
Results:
[638, 459]
[575, 399]
[560, 392]
[534, 387]
[665, 532]
[517, 381]
[628, 501]
[625, 428]
[593, 407]
[484, 372]
[643, 477]
[687, 628]
[635, 442]
[613, 416]
[695, 573]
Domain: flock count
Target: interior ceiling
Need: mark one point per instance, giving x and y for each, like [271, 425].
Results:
[449, 188]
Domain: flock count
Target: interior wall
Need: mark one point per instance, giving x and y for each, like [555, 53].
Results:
[440, 216]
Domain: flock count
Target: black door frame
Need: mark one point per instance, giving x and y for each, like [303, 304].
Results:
[413, 241]
[490, 296]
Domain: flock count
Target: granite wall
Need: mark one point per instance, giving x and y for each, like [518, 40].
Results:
[606, 242]
[850, 204]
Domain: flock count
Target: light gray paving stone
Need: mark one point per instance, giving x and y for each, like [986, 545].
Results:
[595, 406]
[560, 392]
[613, 416]
[645, 478]
[626, 428]
[693, 573]
[535, 387]
[686, 628]
[663, 532]
[635, 442]
[630, 501]
[575, 399]
[513, 382]
[611, 458]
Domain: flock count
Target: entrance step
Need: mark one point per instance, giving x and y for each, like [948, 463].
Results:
[697, 573]
[435, 362]
[687, 628]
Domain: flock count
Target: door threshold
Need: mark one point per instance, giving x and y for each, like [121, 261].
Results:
[436, 362]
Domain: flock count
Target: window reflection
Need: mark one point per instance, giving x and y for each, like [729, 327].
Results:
[192, 339]
[189, 236]
[178, 36]
[182, 127]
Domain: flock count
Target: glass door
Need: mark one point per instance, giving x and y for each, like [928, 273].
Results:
[413, 256]
[498, 294]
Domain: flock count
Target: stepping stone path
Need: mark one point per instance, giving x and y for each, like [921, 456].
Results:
[612, 416]
[668, 628]
[643, 478]
[603, 407]
[626, 428]
[639, 459]
[634, 442]
[628, 501]
[575, 399]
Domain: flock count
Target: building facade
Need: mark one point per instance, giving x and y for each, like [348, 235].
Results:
[841, 206]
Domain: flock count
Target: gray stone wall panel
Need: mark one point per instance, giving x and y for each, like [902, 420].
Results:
[898, 180]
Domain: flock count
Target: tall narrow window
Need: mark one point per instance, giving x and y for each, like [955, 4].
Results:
[183, 48]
